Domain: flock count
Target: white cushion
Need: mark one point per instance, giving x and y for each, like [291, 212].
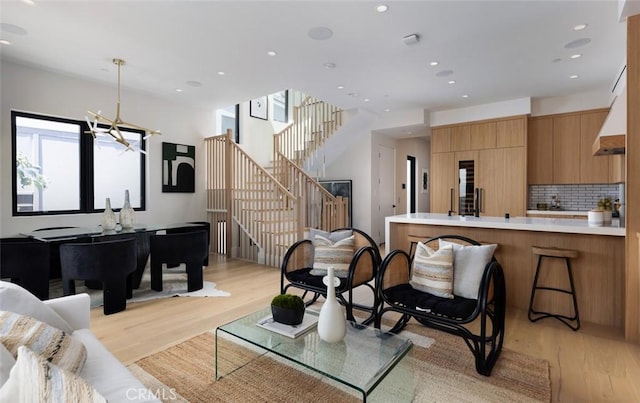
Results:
[432, 271]
[337, 254]
[108, 375]
[16, 299]
[6, 363]
[34, 379]
[469, 262]
[53, 345]
[334, 236]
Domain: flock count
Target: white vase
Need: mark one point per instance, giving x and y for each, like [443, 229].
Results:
[126, 212]
[607, 216]
[332, 325]
[109, 217]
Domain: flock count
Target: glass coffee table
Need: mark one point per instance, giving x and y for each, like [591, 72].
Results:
[363, 361]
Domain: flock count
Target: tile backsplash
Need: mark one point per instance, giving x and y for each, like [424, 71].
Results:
[572, 197]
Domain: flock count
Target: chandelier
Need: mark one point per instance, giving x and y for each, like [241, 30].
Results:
[116, 124]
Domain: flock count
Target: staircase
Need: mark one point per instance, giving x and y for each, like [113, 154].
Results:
[271, 210]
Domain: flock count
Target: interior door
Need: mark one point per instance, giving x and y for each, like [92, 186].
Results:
[386, 188]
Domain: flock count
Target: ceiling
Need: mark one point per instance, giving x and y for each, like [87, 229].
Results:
[493, 50]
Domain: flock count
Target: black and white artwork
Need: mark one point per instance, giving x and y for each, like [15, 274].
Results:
[178, 168]
[341, 188]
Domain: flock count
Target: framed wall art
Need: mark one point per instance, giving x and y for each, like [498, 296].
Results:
[340, 188]
[425, 181]
[178, 168]
[258, 108]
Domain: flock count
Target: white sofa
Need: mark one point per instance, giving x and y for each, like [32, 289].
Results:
[102, 369]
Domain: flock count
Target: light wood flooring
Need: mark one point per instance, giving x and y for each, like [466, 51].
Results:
[594, 364]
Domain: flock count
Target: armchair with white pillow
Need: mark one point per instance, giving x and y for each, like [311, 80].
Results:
[355, 258]
[458, 288]
[32, 371]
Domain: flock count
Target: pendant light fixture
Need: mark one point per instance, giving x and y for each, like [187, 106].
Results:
[116, 124]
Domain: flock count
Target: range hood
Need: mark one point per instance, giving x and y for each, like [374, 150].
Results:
[611, 138]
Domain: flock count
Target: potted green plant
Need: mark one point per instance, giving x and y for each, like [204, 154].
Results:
[605, 205]
[287, 309]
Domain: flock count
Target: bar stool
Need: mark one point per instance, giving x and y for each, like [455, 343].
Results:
[565, 254]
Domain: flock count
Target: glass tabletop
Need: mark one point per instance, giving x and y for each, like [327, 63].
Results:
[361, 360]
[91, 232]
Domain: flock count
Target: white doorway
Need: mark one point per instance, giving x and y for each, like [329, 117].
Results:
[386, 188]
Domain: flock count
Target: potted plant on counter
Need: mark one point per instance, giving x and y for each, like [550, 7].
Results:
[287, 309]
[606, 205]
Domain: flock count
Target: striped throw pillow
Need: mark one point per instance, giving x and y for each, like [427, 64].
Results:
[337, 254]
[34, 379]
[432, 271]
[54, 345]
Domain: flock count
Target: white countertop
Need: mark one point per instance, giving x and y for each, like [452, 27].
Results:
[558, 212]
[565, 225]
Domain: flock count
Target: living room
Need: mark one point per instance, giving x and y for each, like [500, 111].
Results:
[161, 323]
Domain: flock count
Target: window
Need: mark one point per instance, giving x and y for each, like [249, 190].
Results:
[281, 106]
[58, 168]
[228, 119]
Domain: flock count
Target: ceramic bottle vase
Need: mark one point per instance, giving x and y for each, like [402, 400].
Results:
[332, 326]
[109, 217]
[126, 213]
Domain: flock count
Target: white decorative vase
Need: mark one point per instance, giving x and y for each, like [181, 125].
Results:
[332, 325]
[126, 213]
[607, 216]
[109, 217]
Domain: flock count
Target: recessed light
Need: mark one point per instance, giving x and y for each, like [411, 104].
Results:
[271, 53]
[179, 89]
[574, 76]
[575, 56]
[434, 63]
[341, 87]
[577, 43]
[5, 42]
[387, 110]
[329, 65]
[221, 73]
[320, 33]
[451, 82]
[382, 8]
[366, 100]
[465, 96]
[29, 2]
[579, 27]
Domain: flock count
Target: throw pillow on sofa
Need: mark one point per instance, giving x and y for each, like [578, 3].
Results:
[432, 270]
[54, 345]
[33, 379]
[337, 254]
[16, 299]
[6, 363]
[469, 262]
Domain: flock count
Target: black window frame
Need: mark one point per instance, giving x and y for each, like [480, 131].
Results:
[86, 183]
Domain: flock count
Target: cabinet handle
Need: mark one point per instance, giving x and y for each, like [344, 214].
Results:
[451, 200]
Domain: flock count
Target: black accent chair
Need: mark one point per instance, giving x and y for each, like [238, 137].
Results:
[54, 251]
[26, 262]
[110, 262]
[453, 316]
[298, 263]
[204, 226]
[190, 248]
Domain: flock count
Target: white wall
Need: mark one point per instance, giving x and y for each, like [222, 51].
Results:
[256, 135]
[571, 103]
[513, 107]
[38, 91]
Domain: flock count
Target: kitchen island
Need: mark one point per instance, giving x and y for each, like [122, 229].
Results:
[598, 271]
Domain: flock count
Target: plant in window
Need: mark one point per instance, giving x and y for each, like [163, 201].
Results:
[29, 173]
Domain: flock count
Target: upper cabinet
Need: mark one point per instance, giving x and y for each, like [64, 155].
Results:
[559, 150]
[440, 139]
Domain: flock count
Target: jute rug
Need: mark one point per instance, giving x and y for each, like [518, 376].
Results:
[174, 284]
[443, 372]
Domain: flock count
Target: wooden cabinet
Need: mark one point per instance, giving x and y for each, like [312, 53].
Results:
[491, 155]
[460, 138]
[559, 150]
[502, 181]
[483, 135]
[592, 169]
[566, 149]
[443, 179]
[617, 168]
[440, 139]
[540, 151]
